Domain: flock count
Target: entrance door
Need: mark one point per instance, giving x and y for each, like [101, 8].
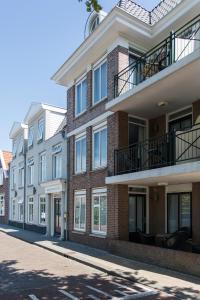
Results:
[137, 216]
[57, 214]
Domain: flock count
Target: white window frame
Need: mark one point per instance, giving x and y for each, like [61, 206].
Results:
[14, 151]
[42, 168]
[78, 139]
[40, 130]
[21, 176]
[80, 195]
[54, 157]
[98, 193]
[32, 204]
[30, 173]
[1, 176]
[21, 145]
[2, 205]
[42, 201]
[20, 205]
[99, 66]
[95, 130]
[30, 136]
[80, 82]
[13, 178]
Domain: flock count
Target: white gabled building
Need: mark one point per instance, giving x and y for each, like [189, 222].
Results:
[45, 159]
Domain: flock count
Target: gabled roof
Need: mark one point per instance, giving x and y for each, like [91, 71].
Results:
[5, 158]
[16, 127]
[37, 108]
[148, 17]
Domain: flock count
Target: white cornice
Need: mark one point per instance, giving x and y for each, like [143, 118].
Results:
[17, 127]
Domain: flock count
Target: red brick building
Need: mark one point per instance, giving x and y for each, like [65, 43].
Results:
[132, 125]
[5, 159]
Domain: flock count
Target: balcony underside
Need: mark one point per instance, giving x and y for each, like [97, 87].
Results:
[178, 85]
[177, 174]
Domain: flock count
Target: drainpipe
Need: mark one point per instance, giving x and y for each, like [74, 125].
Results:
[24, 221]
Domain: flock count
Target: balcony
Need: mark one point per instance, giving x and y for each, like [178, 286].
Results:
[171, 158]
[174, 63]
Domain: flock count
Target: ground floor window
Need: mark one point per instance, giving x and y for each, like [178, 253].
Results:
[42, 210]
[179, 211]
[137, 213]
[20, 211]
[99, 211]
[2, 205]
[30, 209]
[80, 210]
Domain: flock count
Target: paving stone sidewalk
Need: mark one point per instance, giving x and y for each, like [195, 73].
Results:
[180, 285]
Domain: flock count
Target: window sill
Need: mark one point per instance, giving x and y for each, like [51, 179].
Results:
[101, 236]
[20, 188]
[99, 169]
[76, 117]
[30, 185]
[79, 174]
[99, 102]
[79, 232]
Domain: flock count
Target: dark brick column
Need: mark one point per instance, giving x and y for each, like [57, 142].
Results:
[117, 60]
[157, 210]
[157, 126]
[196, 111]
[196, 212]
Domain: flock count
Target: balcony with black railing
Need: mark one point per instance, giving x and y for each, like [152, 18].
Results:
[168, 150]
[174, 48]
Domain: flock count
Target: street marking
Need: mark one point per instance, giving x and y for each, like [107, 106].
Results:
[68, 295]
[121, 293]
[125, 287]
[93, 297]
[33, 297]
[136, 296]
[98, 291]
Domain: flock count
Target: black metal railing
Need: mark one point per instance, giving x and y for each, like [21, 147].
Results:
[178, 45]
[170, 149]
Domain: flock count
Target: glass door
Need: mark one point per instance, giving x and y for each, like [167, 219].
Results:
[137, 215]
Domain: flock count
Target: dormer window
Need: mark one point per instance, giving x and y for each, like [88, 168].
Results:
[30, 136]
[40, 136]
[94, 23]
[21, 145]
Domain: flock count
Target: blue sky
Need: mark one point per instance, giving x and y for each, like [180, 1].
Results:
[36, 37]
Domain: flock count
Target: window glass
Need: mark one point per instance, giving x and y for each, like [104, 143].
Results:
[185, 210]
[20, 211]
[43, 167]
[172, 213]
[81, 97]
[30, 210]
[40, 129]
[57, 166]
[30, 136]
[100, 148]
[1, 176]
[13, 209]
[99, 213]
[80, 212]
[21, 176]
[80, 155]
[104, 80]
[96, 85]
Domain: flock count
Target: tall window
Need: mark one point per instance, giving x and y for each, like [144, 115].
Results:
[14, 209]
[30, 209]
[1, 176]
[57, 166]
[99, 211]
[80, 210]
[13, 178]
[42, 167]
[80, 154]
[179, 211]
[100, 147]
[20, 210]
[100, 83]
[14, 152]
[2, 205]
[30, 136]
[21, 145]
[21, 176]
[81, 97]
[40, 135]
[42, 210]
[137, 213]
[30, 171]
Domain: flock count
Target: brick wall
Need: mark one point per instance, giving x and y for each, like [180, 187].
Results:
[117, 196]
[157, 126]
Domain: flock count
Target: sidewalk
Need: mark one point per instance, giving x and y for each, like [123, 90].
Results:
[180, 285]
